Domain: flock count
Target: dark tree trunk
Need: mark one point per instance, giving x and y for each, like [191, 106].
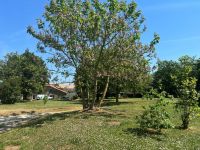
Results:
[94, 94]
[185, 119]
[117, 98]
[88, 96]
[85, 96]
[105, 91]
[186, 115]
[25, 96]
[117, 94]
[83, 99]
[199, 102]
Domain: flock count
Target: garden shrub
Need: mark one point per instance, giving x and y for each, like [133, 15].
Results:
[156, 116]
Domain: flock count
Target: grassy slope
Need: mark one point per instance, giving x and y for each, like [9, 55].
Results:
[114, 128]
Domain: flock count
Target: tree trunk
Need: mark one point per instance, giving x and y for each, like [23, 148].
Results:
[185, 116]
[185, 119]
[83, 99]
[94, 94]
[105, 90]
[199, 102]
[117, 98]
[117, 94]
[25, 97]
[88, 95]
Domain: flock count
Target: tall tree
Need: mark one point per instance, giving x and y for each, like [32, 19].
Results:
[22, 74]
[10, 90]
[81, 34]
[34, 74]
[162, 78]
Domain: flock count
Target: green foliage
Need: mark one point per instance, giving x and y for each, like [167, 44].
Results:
[162, 78]
[97, 39]
[197, 110]
[10, 91]
[45, 99]
[196, 73]
[181, 79]
[154, 94]
[151, 94]
[34, 73]
[21, 74]
[188, 101]
[156, 116]
[188, 96]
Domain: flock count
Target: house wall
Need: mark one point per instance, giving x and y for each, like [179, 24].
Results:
[53, 92]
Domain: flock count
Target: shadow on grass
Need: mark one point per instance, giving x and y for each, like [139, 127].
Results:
[76, 101]
[50, 118]
[142, 133]
[106, 102]
[113, 103]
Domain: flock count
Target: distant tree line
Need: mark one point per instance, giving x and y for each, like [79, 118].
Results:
[21, 76]
[164, 77]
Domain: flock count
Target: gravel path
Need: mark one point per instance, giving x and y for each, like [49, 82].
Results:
[13, 121]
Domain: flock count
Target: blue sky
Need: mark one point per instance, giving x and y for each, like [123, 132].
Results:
[176, 21]
[178, 24]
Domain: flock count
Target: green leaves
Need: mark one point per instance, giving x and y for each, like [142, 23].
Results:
[155, 116]
[97, 39]
[10, 90]
[188, 96]
[131, 9]
[22, 74]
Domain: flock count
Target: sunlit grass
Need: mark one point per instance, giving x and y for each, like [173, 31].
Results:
[38, 106]
[112, 128]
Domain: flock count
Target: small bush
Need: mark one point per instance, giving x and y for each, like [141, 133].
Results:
[154, 94]
[45, 99]
[155, 116]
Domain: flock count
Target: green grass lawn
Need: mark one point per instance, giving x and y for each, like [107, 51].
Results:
[38, 104]
[113, 128]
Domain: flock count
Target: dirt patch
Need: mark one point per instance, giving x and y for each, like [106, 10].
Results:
[12, 148]
[114, 123]
[33, 111]
[66, 147]
[193, 129]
